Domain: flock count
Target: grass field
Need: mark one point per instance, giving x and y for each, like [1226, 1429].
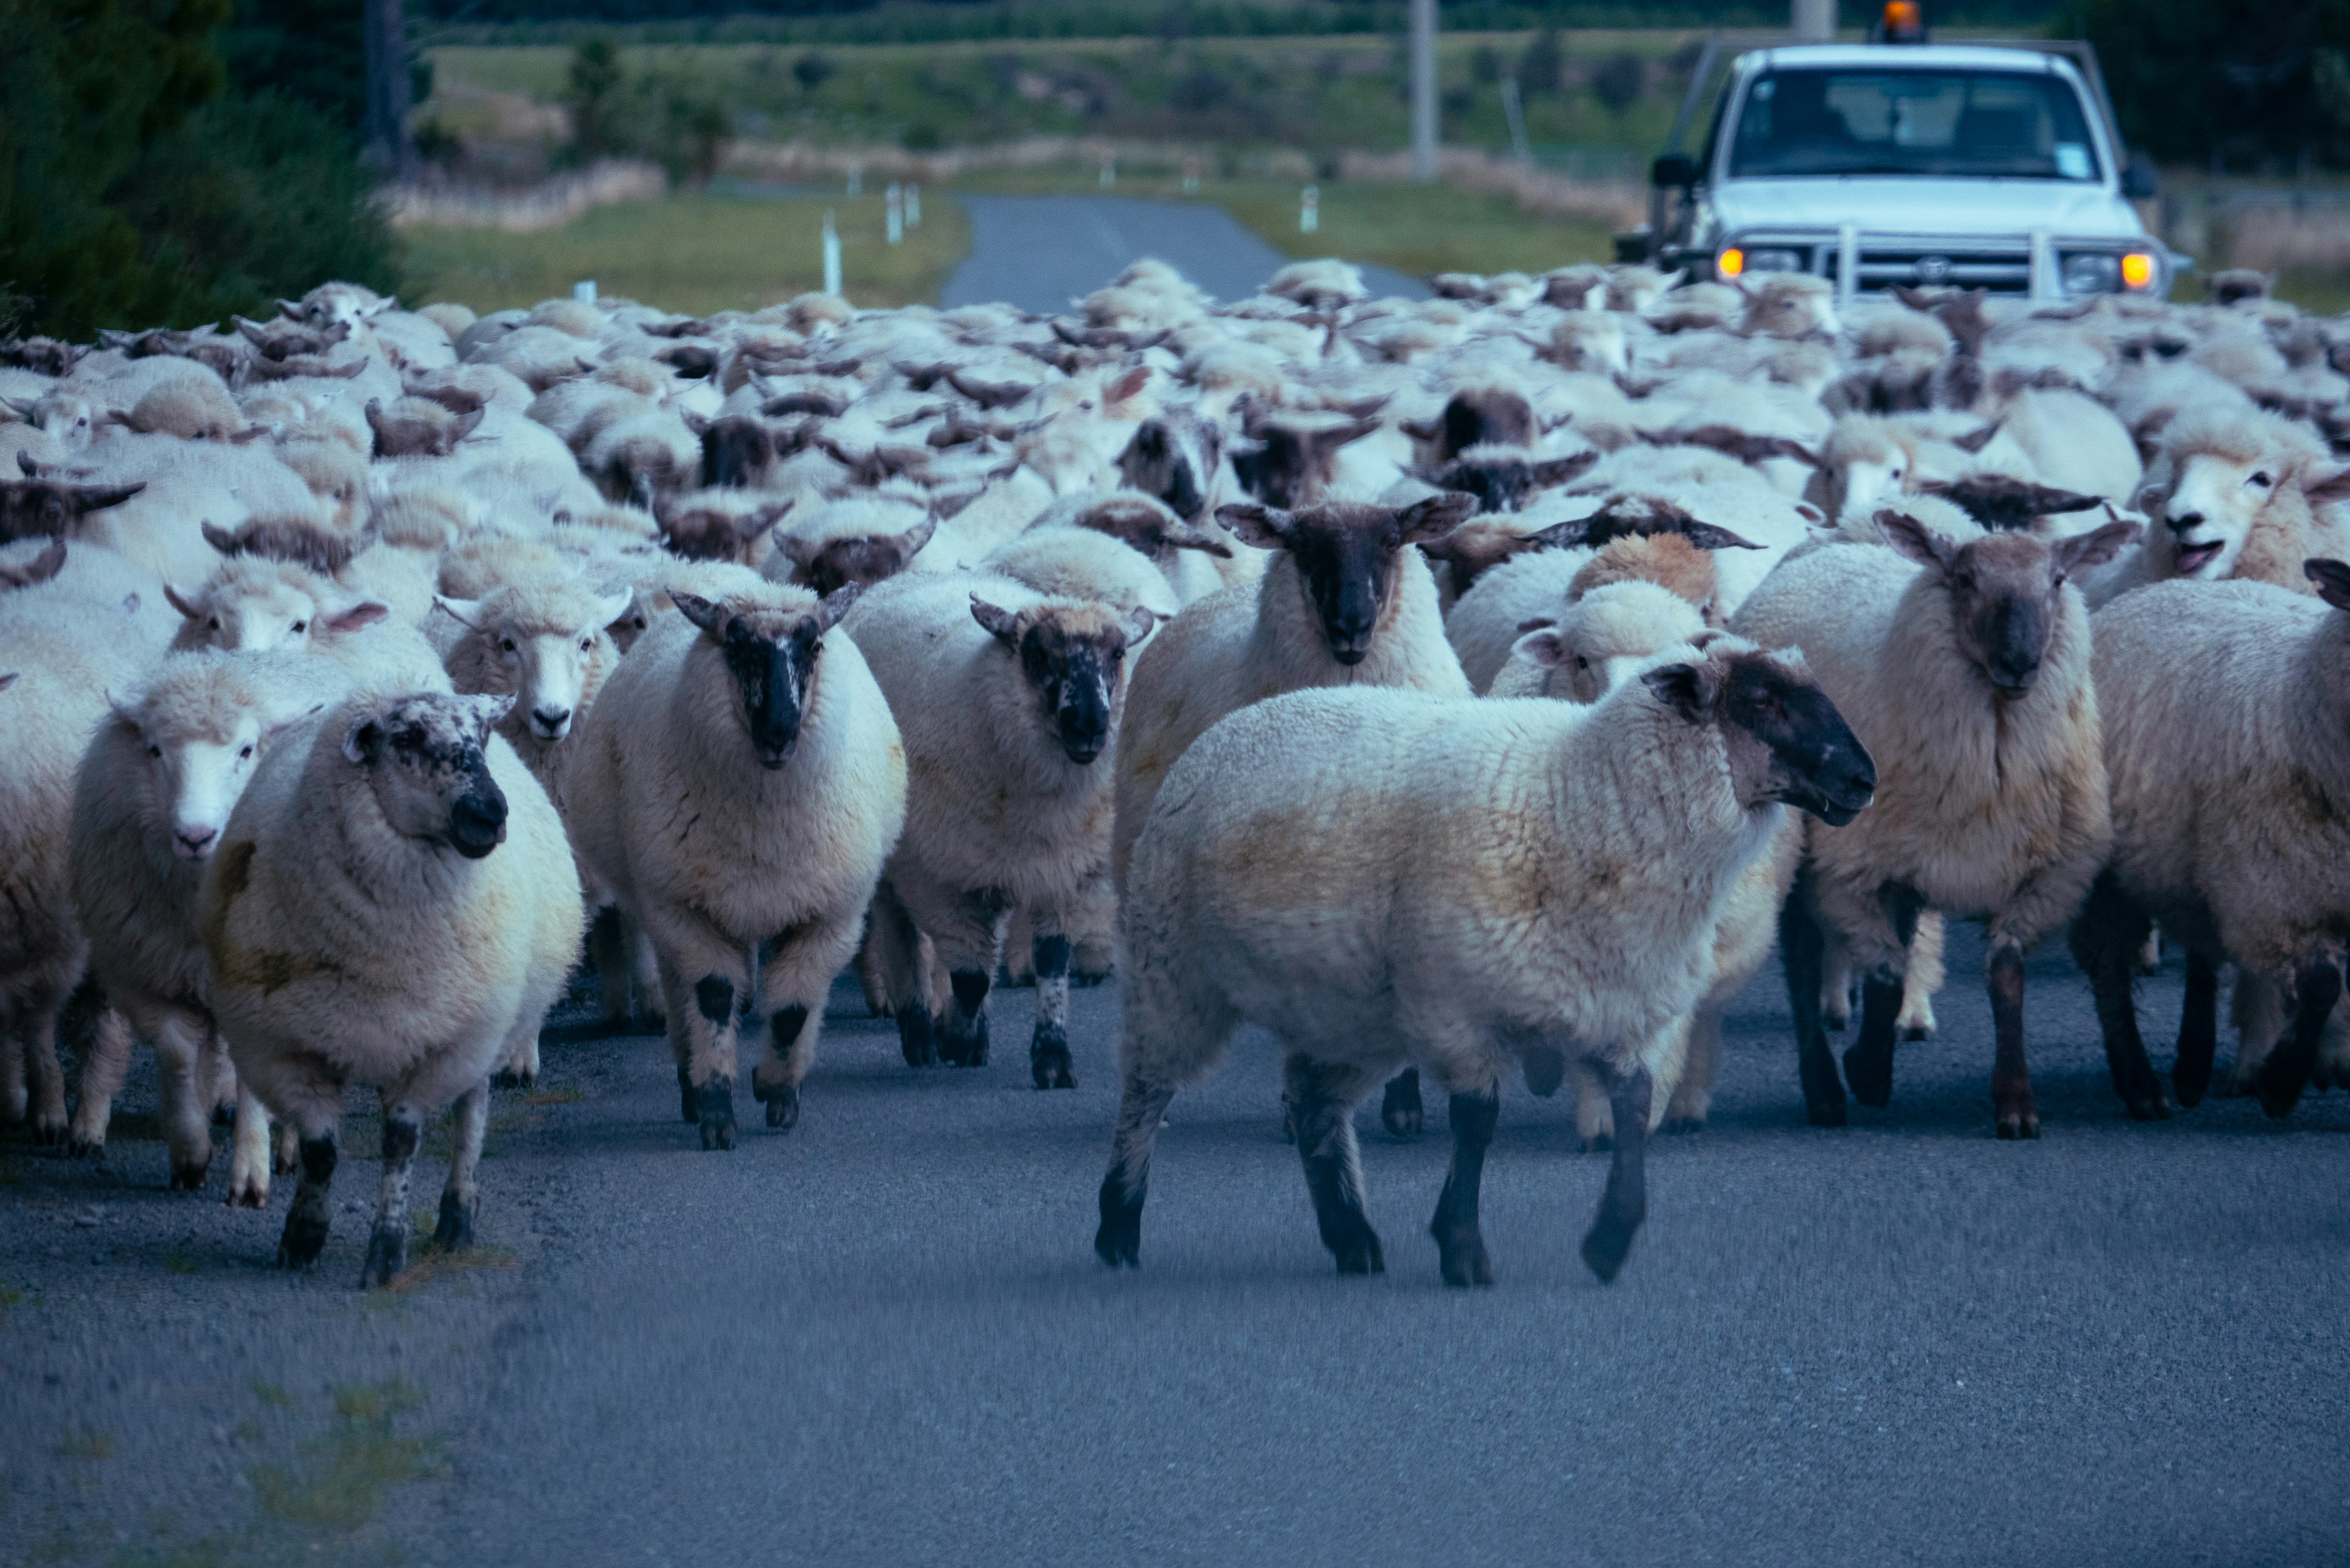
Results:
[695, 252]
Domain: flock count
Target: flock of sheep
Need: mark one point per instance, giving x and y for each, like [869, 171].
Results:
[1469, 687]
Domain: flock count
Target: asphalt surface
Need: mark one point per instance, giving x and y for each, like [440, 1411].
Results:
[1039, 252]
[882, 1337]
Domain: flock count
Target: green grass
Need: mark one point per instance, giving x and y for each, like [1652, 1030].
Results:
[87, 1443]
[2323, 293]
[695, 252]
[1422, 229]
[339, 1479]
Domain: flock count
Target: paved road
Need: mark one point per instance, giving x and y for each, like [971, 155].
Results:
[1040, 252]
[882, 1338]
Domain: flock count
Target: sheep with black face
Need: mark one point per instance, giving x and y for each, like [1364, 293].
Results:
[1010, 702]
[753, 717]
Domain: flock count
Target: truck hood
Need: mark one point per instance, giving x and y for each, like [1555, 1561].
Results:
[1926, 206]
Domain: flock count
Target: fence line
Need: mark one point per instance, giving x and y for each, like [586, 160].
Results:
[548, 205]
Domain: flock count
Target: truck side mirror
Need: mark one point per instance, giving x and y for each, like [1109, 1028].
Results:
[1673, 171]
[2139, 182]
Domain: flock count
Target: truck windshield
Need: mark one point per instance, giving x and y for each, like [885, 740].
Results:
[1980, 124]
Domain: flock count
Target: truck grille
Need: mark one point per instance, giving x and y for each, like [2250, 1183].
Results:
[2005, 270]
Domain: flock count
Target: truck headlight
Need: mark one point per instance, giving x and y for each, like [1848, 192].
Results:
[1774, 260]
[2091, 273]
[2137, 270]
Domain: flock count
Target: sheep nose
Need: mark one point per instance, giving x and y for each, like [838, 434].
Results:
[551, 721]
[2184, 522]
[194, 842]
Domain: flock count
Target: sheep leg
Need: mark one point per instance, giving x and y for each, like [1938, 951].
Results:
[2011, 1077]
[179, 1042]
[608, 956]
[2315, 989]
[1322, 1098]
[1093, 931]
[1921, 977]
[460, 1200]
[216, 1078]
[1048, 1049]
[15, 1099]
[1692, 1097]
[2258, 1010]
[2106, 941]
[2198, 1031]
[1594, 1118]
[794, 978]
[1020, 934]
[867, 968]
[1401, 1111]
[897, 946]
[681, 1051]
[1868, 1062]
[286, 1158]
[47, 1079]
[1141, 1107]
[387, 1253]
[248, 1167]
[1461, 1245]
[709, 1062]
[305, 1236]
[1803, 947]
[1625, 1204]
[103, 1069]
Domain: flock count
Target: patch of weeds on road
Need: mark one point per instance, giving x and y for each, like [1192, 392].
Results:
[13, 1295]
[272, 1394]
[435, 1264]
[340, 1477]
[557, 1094]
[178, 1260]
[248, 1431]
[211, 1551]
[87, 1443]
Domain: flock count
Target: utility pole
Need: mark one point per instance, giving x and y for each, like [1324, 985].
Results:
[1813, 21]
[1423, 90]
[386, 138]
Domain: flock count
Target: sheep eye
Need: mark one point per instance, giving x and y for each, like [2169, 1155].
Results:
[213, 624]
[587, 645]
[507, 644]
[2263, 480]
[246, 754]
[1581, 662]
[301, 626]
[154, 751]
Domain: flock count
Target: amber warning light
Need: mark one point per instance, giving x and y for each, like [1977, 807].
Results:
[1904, 22]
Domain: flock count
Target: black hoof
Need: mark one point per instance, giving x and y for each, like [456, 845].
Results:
[305, 1236]
[506, 1078]
[1684, 1124]
[225, 1115]
[190, 1177]
[2279, 1087]
[715, 1101]
[2019, 1125]
[1597, 1143]
[1048, 1058]
[79, 1147]
[1358, 1251]
[1822, 1113]
[1604, 1247]
[965, 1044]
[918, 1037]
[1916, 1033]
[782, 1103]
[49, 1134]
[1118, 1242]
[2148, 1109]
[455, 1232]
[689, 1107]
[1463, 1259]
[387, 1253]
[1400, 1110]
[1869, 1070]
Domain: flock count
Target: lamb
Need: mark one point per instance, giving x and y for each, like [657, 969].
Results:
[393, 904]
[1964, 663]
[1008, 700]
[1481, 920]
[252, 603]
[63, 657]
[2230, 797]
[150, 799]
[2237, 496]
[749, 716]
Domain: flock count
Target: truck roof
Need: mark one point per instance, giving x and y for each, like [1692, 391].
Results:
[1907, 57]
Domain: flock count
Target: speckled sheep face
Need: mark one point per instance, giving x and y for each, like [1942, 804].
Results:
[1346, 557]
[425, 757]
[1074, 663]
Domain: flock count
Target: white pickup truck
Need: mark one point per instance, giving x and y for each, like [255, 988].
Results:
[1878, 165]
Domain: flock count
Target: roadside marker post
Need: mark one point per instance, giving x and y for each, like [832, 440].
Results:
[831, 254]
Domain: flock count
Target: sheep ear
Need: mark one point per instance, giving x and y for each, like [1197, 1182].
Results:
[611, 608]
[1709, 537]
[360, 741]
[1193, 539]
[796, 548]
[279, 718]
[1001, 623]
[2332, 577]
[367, 612]
[1687, 689]
[1266, 527]
[464, 612]
[910, 542]
[1127, 385]
[1421, 429]
[1543, 645]
[837, 604]
[26, 465]
[1139, 623]
[2078, 552]
[1976, 440]
[2323, 487]
[220, 539]
[1436, 516]
[490, 711]
[39, 570]
[181, 602]
[98, 497]
[1812, 514]
[1553, 472]
[9, 679]
[1916, 541]
[701, 611]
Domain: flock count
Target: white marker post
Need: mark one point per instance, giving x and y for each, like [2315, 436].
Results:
[831, 254]
[584, 291]
[895, 200]
[1309, 210]
[1110, 171]
[856, 179]
[913, 206]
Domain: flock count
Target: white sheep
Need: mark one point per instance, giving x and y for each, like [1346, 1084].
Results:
[737, 786]
[1009, 701]
[392, 905]
[1963, 663]
[1485, 878]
